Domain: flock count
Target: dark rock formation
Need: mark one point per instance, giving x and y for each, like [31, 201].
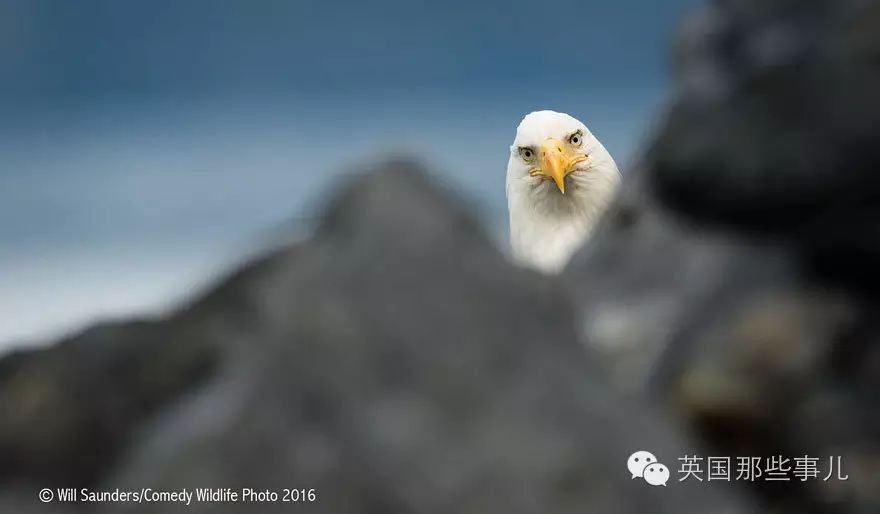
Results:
[735, 342]
[774, 129]
[394, 363]
[67, 410]
[734, 279]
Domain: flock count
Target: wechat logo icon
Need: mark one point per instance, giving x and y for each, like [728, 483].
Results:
[643, 464]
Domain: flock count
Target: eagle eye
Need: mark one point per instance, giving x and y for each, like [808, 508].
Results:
[576, 139]
[527, 154]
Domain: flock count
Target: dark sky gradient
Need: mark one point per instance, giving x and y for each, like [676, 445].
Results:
[86, 50]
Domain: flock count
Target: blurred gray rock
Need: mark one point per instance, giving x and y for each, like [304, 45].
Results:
[396, 362]
[727, 335]
[67, 410]
[734, 280]
[774, 127]
[646, 271]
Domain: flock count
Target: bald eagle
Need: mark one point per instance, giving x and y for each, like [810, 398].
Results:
[560, 180]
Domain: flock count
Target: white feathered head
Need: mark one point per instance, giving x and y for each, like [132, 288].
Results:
[560, 179]
[553, 148]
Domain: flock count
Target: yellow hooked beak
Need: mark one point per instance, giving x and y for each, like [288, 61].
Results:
[555, 163]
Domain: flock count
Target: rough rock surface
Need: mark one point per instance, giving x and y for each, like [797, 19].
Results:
[734, 280]
[394, 363]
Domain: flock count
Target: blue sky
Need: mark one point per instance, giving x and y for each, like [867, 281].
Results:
[87, 51]
[149, 145]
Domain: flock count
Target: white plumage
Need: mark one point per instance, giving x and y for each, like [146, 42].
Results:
[560, 180]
